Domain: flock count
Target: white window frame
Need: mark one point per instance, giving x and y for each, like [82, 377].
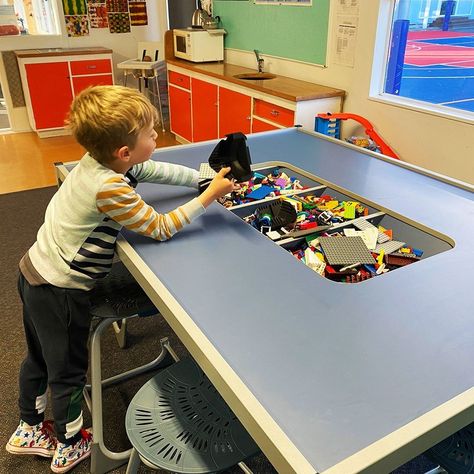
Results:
[379, 67]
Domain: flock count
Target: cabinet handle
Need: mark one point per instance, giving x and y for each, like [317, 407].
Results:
[275, 113]
[248, 118]
[92, 66]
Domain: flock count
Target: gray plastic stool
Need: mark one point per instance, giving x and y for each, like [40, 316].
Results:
[456, 453]
[115, 299]
[179, 422]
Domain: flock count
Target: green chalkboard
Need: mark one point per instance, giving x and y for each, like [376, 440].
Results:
[288, 31]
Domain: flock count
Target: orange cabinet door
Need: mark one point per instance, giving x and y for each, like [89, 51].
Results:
[180, 112]
[234, 112]
[261, 126]
[204, 100]
[49, 87]
[81, 82]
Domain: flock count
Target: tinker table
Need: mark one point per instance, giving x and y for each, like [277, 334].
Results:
[326, 377]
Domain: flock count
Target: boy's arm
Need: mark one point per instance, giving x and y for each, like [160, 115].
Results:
[120, 202]
[165, 173]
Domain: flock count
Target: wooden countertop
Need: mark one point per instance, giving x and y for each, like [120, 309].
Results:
[33, 53]
[281, 86]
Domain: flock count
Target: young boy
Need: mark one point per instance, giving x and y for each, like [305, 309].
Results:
[75, 247]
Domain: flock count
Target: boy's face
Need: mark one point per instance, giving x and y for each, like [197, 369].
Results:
[144, 147]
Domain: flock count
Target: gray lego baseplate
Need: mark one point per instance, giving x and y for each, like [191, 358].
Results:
[206, 172]
[345, 250]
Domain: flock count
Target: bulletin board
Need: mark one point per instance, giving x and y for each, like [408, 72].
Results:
[289, 31]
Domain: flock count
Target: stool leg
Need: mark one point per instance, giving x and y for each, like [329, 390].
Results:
[133, 463]
[102, 459]
[244, 468]
[125, 78]
[121, 332]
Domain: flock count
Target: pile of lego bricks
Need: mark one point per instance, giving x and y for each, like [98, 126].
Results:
[276, 183]
[311, 212]
[355, 253]
[319, 237]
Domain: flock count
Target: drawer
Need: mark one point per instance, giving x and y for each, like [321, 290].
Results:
[93, 66]
[261, 126]
[179, 79]
[275, 113]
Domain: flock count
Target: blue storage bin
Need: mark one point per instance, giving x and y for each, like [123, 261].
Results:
[330, 127]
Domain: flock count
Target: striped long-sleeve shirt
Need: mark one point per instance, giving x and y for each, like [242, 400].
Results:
[75, 245]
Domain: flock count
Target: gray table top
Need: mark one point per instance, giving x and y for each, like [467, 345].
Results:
[336, 366]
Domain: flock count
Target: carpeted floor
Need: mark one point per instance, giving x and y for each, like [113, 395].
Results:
[22, 214]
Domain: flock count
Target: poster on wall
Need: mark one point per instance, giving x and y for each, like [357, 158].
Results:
[116, 15]
[77, 25]
[119, 22]
[347, 14]
[74, 7]
[138, 13]
[98, 15]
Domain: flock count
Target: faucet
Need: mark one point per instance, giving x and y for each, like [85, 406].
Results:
[260, 61]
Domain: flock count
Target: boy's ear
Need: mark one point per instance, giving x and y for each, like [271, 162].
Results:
[122, 153]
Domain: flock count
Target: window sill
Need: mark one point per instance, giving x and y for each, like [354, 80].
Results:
[425, 107]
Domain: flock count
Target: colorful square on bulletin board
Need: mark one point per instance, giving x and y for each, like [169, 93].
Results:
[119, 22]
[138, 14]
[117, 5]
[98, 15]
[74, 7]
[77, 25]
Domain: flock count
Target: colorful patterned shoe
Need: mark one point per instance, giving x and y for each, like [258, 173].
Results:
[37, 439]
[67, 456]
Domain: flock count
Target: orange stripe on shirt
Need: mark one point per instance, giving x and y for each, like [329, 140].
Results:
[145, 218]
[119, 191]
[131, 213]
[117, 205]
[176, 222]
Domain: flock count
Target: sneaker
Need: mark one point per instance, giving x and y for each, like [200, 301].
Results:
[67, 456]
[37, 439]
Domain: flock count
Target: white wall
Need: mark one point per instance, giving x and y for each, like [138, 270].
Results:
[123, 45]
[437, 143]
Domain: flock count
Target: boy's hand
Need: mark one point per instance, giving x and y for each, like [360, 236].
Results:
[219, 186]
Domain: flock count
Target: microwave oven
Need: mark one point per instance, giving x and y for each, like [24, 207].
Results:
[199, 45]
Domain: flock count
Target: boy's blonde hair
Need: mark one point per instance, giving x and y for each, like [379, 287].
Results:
[105, 118]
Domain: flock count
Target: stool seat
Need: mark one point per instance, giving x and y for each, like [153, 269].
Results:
[179, 422]
[455, 453]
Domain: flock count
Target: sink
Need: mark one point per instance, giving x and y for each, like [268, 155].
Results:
[255, 76]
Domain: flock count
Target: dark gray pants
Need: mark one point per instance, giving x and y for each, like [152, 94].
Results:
[56, 322]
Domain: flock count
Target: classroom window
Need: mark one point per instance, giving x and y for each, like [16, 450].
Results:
[430, 55]
[28, 17]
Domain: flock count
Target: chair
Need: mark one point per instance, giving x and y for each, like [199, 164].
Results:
[147, 71]
[178, 421]
[115, 300]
